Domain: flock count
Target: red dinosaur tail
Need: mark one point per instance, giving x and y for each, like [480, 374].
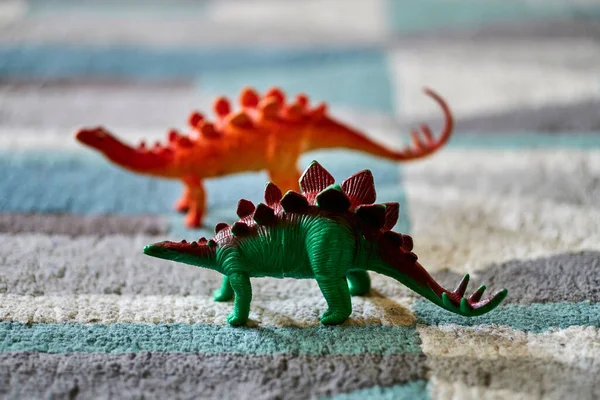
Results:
[329, 133]
[147, 161]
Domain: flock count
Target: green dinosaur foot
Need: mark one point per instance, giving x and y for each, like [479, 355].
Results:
[225, 292]
[334, 318]
[236, 320]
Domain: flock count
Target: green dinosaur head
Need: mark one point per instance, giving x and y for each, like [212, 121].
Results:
[200, 254]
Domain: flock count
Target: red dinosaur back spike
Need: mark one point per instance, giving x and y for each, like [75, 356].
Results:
[332, 199]
[272, 194]
[314, 180]
[277, 94]
[372, 215]
[194, 119]
[222, 107]
[249, 97]
[302, 99]
[392, 210]
[208, 130]
[269, 108]
[245, 208]
[360, 188]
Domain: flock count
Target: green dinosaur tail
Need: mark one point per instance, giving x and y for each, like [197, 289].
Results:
[417, 279]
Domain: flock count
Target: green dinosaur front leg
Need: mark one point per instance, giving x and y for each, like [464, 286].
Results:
[359, 282]
[240, 282]
[337, 296]
[225, 292]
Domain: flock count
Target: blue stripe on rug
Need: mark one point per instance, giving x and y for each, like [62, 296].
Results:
[536, 318]
[428, 15]
[135, 338]
[85, 183]
[416, 390]
[362, 83]
[63, 61]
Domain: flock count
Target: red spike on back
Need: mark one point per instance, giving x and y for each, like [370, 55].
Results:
[173, 135]
[222, 107]
[392, 210]
[360, 188]
[207, 129]
[184, 142]
[302, 99]
[319, 112]
[195, 118]
[272, 194]
[241, 120]
[294, 112]
[277, 94]
[245, 208]
[249, 98]
[314, 180]
[269, 108]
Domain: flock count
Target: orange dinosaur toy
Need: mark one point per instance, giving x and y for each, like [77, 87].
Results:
[266, 134]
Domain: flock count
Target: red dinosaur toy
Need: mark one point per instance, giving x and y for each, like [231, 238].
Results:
[266, 134]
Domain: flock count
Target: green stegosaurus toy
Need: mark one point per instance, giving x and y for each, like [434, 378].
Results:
[331, 233]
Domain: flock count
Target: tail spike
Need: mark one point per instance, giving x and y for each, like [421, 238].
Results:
[222, 107]
[142, 145]
[277, 94]
[202, 240]
[249, 98]
[476, 296]
[184, 241]
[194, 244]
[194, 119]
[462, 286]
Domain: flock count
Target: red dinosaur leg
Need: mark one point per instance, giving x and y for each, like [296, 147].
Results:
[285, 179]
[196, 202]
[183, 204]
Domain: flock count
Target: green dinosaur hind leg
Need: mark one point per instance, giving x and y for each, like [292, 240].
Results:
[337, 296]
[240, 282]
[359, 282]
[225, 292]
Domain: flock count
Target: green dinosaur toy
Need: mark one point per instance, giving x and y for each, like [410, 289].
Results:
[331, 233]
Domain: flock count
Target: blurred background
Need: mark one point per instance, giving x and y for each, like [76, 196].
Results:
[513, 198]
[513, 71]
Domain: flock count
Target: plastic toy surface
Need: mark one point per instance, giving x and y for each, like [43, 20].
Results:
[331, 233]
[266, 134]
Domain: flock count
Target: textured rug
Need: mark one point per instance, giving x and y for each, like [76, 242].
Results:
[513, 200]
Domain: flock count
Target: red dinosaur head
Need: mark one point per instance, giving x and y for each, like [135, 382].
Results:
[155, 161]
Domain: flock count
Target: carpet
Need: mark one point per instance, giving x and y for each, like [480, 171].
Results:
[513, 199]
